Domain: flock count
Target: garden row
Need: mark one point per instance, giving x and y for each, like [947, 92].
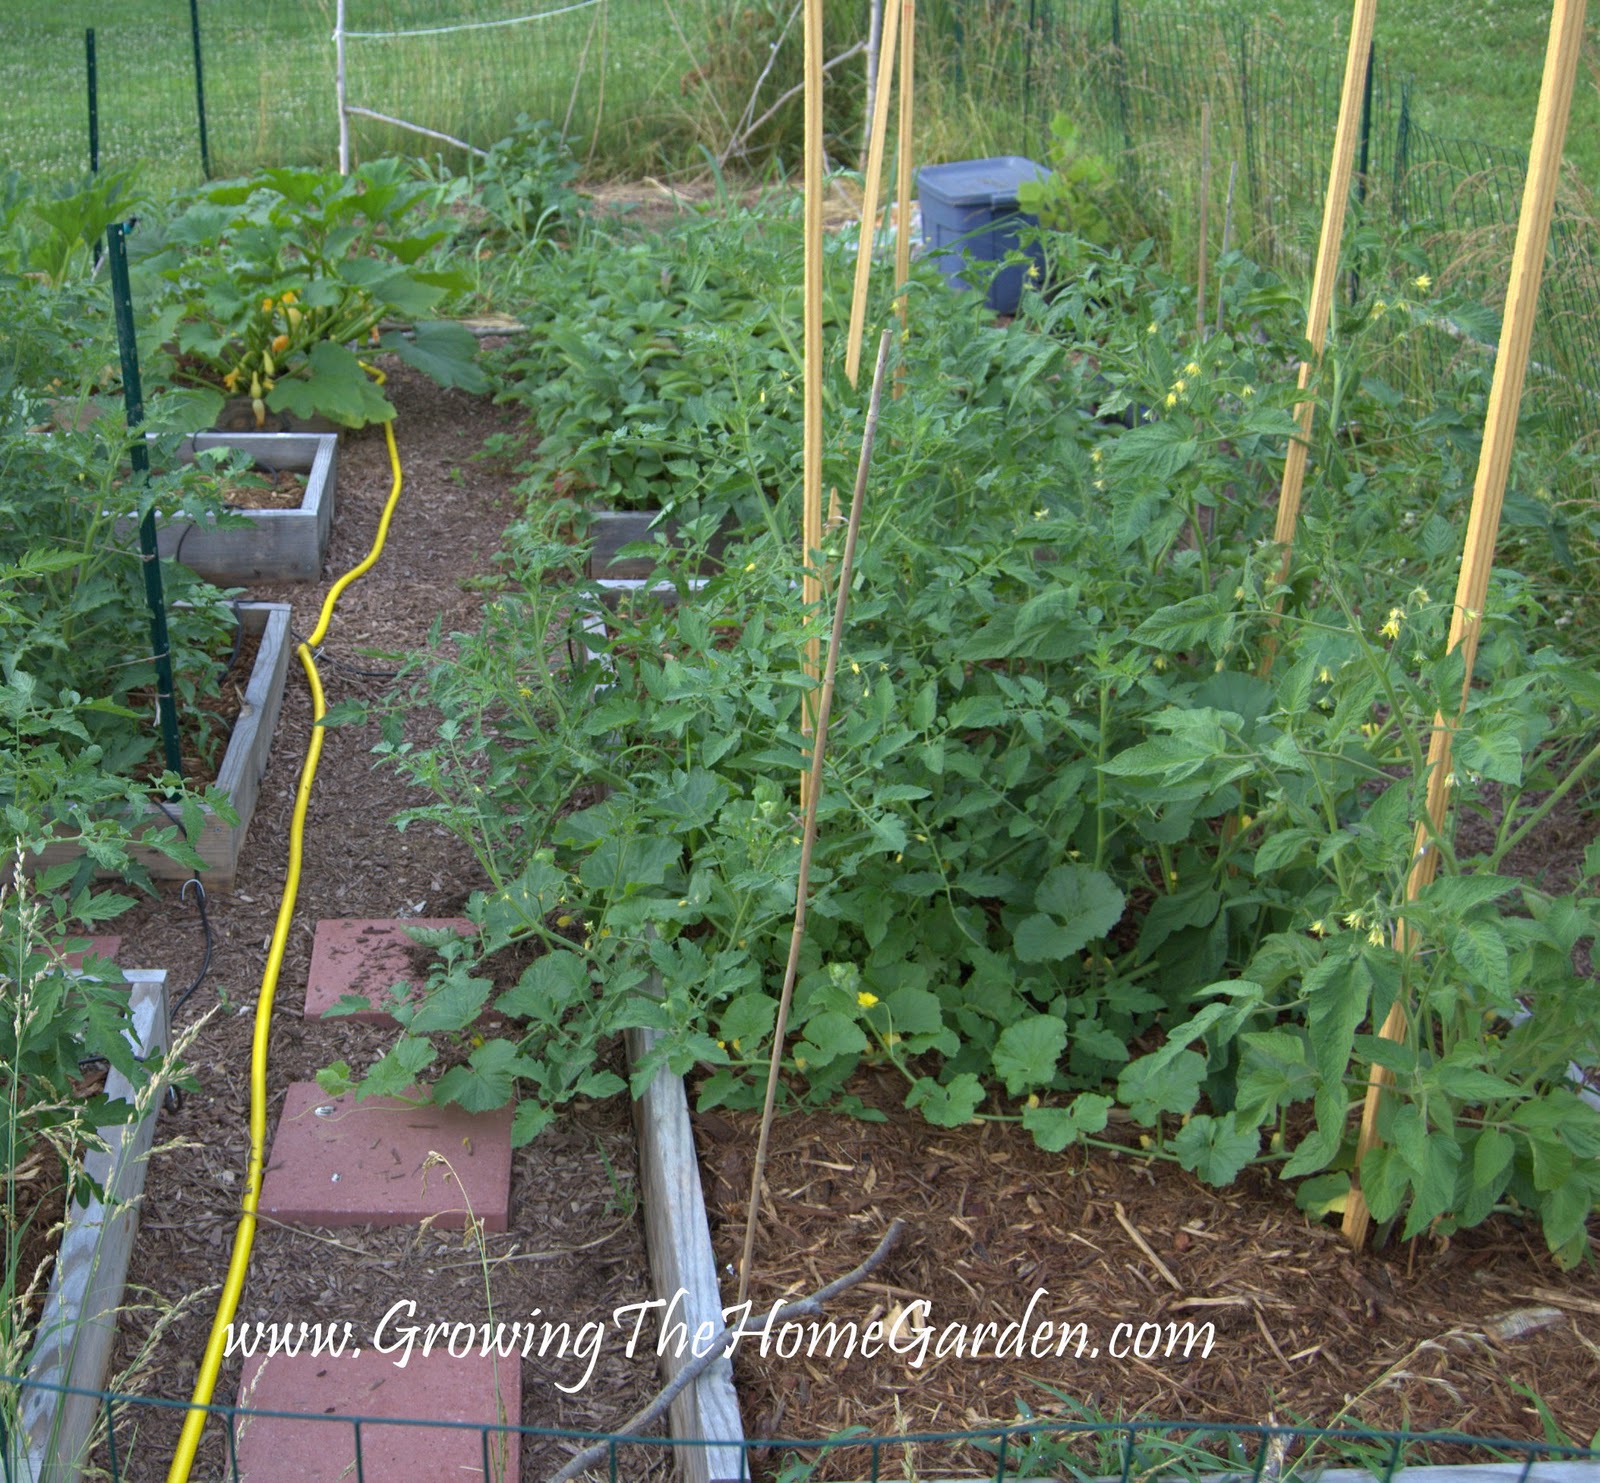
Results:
[91, 789]
[1115, 824]
[1113, 819]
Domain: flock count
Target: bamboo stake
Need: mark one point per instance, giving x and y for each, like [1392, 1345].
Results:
[871, 189]
[872, 122]
[908, 93]
[811, 484]
[808, 842]
[1327, 271]
[1203, 271]
[1488, 495]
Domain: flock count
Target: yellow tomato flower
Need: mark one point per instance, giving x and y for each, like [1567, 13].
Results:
[1422, 283]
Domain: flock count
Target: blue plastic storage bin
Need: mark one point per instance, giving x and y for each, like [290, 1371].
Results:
[969, 209]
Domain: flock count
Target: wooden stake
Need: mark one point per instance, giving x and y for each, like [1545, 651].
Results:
[872, 123]
[1327, 271]
[811, 483]
[1203, 271]
[871, 189]
[808, 841]
[908, 93]
[1488, 495]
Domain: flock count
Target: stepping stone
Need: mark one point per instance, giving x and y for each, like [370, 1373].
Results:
[99, 947]
[339, 1162]
[356, 955]
[311, 1447]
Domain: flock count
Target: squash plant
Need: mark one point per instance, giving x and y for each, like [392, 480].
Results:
[272, 287]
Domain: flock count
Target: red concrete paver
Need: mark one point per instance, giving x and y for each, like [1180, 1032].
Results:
[339, 1162]
[310, 1448]
[99, 947]
[357, 955]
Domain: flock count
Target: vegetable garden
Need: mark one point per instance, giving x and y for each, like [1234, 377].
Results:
[1181, 819]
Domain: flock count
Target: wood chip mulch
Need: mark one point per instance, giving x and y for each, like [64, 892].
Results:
[1306, 1330]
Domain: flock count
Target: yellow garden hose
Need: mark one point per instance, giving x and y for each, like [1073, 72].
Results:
[244, 1236]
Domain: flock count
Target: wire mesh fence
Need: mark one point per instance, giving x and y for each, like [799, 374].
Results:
[595, 66]
[620, 76]
[1137, 78]
[1074, 1445]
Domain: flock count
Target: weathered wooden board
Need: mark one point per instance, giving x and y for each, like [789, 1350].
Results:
[79, 1322]
[243, 764]
[276, 545]
[682, 1263]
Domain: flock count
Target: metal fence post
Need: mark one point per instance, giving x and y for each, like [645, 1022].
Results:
[1361, 166]
[199, 88]
[1402, 149]
[133, 400]
[94, 100]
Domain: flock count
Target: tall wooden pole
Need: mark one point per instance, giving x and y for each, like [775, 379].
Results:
[903, 176]
[811, 490]
[1488, 495]
[1203, 268]
[871, 190]
[1327, 270]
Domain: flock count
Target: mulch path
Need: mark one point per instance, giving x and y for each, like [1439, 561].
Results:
[1307, 1331]
[575, 1248]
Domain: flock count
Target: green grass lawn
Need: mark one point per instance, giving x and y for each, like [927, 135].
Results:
[1475, 64]
[269, 75]
[269, 79]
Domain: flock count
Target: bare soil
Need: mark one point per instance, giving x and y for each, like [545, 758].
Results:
[575, 1247]
[281, 490]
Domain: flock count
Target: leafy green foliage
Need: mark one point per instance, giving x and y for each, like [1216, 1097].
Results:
[1075, 848]
[268, 283]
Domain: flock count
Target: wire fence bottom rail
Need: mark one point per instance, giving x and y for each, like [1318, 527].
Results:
[1027, 1450]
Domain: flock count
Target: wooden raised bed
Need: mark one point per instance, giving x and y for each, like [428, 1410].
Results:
[79, 1323]
[683, 1267]
[276, 545]
[243, 763]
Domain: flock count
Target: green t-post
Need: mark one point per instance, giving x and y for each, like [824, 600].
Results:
[133, 400]
[199, 87]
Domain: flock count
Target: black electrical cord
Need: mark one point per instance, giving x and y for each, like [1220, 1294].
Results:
[344, 665]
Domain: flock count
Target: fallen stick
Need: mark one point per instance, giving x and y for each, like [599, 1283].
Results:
[721, 1344]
